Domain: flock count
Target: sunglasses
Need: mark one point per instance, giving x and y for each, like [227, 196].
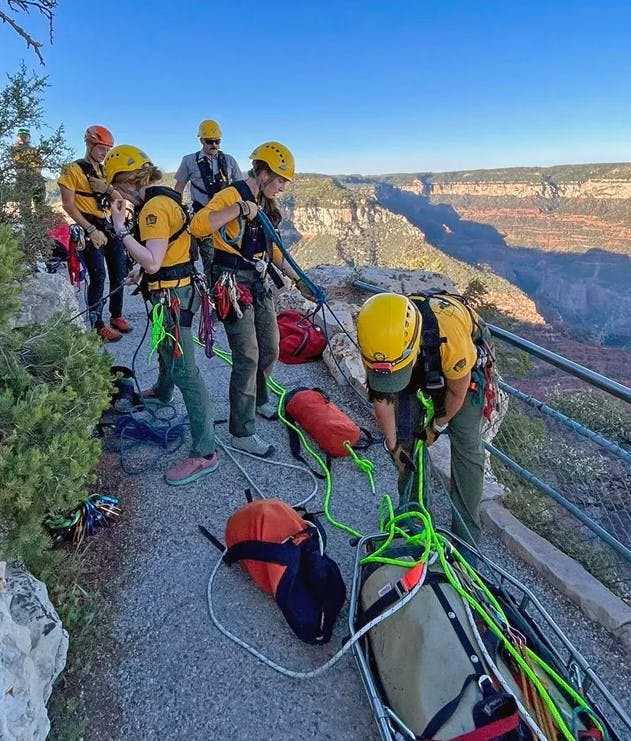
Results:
[211, 141]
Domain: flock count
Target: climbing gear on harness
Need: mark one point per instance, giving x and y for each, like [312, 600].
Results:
[231, 297]
[191, 469]
[95, 135]
[284, 554]
[209, 129]
[279, 159]
[124, 158]
[389, 336]
[300, 339]
[252, 444]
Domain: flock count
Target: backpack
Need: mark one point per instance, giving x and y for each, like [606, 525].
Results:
[325, 422]
[284, 554]
[300, 339]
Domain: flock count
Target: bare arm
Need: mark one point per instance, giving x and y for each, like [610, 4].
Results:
[205, 221]
[179, 186]
[386, 419]
[67, 201]
[149, 256]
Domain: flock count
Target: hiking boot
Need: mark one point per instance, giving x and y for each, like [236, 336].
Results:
[253, 445]
[107, 334]
[269, 410]
[191, 469]
[121, 324]
[150, 395]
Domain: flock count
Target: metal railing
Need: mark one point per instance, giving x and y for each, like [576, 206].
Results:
[565, 461]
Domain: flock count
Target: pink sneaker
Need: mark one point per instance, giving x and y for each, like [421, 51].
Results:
[191, 469]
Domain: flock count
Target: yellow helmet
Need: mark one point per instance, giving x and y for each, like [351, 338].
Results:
[389, 337]
[279, 159]
[209, 130]
[123, 158]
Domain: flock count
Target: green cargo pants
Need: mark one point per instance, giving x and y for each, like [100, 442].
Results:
[467, 461]
[183, 372]
[253, 340]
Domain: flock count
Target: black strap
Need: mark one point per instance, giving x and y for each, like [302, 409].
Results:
[445, 713]
[284, 554]
[89, 171]
[211, 537]
[430, 345]
[212, 184]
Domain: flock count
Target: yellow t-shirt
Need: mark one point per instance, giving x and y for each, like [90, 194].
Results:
[200, 225]
[27, 158]
[458, 353]
[73, 178]
[161, 218]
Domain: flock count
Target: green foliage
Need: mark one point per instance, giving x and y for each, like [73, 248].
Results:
[55, 385]
[597, 410]
[22, 189]
[10, 272]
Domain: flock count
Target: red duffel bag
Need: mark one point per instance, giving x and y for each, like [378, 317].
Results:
[300, 340]
[326, 423]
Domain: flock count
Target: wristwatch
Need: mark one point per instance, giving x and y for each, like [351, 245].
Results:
[439, 428]
[124, 232]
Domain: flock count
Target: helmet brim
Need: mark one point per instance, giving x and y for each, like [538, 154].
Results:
[389, 383]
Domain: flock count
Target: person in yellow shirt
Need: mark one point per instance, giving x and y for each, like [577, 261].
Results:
[162, 247]
[431, 344]
[244, 261]
[29, 182]
[84, 197]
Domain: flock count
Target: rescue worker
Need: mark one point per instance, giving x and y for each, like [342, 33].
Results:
[29, 182]
[391, 330]
[208, 171]
[162, 248]
[243, 263]
[84, 197]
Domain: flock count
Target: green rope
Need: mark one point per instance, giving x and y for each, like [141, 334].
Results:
[430, 540]
[158, 330]
[364, 464]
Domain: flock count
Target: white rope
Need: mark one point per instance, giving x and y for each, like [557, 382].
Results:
[334, 659]
[229, 450]
[500, 677]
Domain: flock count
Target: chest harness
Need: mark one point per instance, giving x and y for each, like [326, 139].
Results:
[213, 182]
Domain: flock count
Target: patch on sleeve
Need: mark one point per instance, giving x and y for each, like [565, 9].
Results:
[460, 364]
[152, 219]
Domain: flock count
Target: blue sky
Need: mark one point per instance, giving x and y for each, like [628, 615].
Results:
[351, 87]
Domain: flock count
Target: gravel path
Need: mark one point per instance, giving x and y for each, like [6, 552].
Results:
[175, 676]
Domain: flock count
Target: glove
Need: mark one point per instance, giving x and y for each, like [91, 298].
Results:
[97, 185]
[304, 290]
[248, 209]
[429, 435]
[98, 239]
[400, 458]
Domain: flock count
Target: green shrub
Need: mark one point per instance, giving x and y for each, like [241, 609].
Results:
[55, 384]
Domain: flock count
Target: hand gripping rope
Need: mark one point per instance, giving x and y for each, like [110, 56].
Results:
[274, 235]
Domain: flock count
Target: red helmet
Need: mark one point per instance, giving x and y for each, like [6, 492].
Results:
[98, 135]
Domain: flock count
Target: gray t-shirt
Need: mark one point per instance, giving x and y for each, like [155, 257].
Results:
[188, 172]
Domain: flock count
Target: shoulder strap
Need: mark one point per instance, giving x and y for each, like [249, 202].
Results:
[430, 344]
[243, 189]
[206, 174]
[89, 171]
[163, 190]
[223, 166]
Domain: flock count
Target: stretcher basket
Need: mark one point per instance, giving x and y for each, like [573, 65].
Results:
[559, 651]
